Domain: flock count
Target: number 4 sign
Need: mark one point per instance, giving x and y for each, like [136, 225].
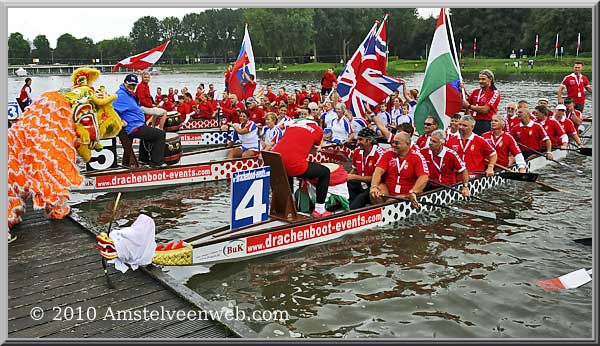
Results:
[250, 196]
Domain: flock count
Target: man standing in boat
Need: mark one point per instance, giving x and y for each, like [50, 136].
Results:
[472, 148]
[300, 139]
[152, 144]
[328, 82]
[576, 84]
[399, 172]
[483, 102]
[364, 160]
[158, 115]
[25, 95]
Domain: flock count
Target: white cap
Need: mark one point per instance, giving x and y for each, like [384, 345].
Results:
[563, 107]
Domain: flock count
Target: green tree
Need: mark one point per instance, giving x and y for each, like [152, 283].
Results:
[146, 33]
[42, 49]
[547, 22]
[19, 51]
[67, 49]
[192, 34]
[117, 49]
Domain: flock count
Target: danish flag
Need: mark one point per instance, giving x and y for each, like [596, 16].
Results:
[143, 60]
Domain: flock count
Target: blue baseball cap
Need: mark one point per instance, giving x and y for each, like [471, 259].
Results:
[131, 79]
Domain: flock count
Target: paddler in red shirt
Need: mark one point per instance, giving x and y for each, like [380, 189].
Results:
[399, 172]
[443, 163]
[532, 135]
[300, 139]
[473, 149]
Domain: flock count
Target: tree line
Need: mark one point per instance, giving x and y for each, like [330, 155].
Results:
[288, 35]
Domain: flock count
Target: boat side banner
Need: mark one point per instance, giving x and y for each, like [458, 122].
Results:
[250, 196]
[152, 176]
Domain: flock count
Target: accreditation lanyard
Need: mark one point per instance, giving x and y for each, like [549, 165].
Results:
[478, 97]
[497, 142]
[464, 147]
[578, 81]
[400, 167]
[441, 165]
[364, 160]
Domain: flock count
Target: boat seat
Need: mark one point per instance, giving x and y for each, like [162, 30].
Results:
[282, 202]
[129, 158]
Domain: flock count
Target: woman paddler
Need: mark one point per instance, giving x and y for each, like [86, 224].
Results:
[300, 139]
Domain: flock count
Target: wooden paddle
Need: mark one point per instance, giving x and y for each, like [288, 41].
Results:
[510, 174]
[474, 197]
[553, 160]
[480, 213]
[104, 265]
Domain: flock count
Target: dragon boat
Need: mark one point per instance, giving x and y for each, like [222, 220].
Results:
[287, 229]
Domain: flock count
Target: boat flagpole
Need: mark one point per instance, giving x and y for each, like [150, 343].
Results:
[455, 56]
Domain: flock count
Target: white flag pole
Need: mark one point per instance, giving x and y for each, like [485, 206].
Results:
[455, 57]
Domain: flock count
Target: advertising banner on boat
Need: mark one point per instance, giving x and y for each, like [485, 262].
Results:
[250, 196]
[288, 238]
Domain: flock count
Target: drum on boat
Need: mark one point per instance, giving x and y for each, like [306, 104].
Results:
[172, 148]
[173, 122]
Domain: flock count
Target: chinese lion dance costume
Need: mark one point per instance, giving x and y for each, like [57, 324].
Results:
[42, 145]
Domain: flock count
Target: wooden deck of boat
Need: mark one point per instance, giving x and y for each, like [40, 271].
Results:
[53, 265]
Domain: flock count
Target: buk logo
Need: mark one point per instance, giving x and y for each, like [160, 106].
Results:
[233, 247]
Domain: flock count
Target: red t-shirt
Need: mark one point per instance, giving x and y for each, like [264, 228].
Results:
[531, 135]
[157, 99]
[574, 113]
[401, 174]
[300, 98]
[328, 80]
[422, 141]
[168, 105]
[567, 125]
[249, 88]
[504, 145]
[257, 115]
[315, 97]
[282, 97]
[184, 109]
[473, 151]
[295, 145]
[445, 167]
[364, 163]
[205, 110]
[481, 98]
[576, 87]
[143, 94]
[511, 122]
[227, 75]
[292, 111]
[554, 131]
[271, 96]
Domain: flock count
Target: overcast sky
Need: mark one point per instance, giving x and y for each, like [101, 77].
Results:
[54, 22]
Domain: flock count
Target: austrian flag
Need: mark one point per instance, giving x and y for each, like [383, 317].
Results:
[143, 60]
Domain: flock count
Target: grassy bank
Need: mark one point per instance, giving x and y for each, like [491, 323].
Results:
[542, 64]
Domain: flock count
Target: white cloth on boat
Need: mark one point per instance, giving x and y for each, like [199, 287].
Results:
[135, 245]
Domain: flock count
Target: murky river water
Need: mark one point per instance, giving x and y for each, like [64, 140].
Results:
[442, 275]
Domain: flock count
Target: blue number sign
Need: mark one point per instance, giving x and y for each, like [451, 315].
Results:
[250, 196]
[13, 110]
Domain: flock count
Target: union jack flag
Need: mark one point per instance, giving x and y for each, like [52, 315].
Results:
[363, 80]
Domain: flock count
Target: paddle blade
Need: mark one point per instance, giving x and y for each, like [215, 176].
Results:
[585, 151]
[572, 280]
[480, 213]
[584, 241]
[530, 177]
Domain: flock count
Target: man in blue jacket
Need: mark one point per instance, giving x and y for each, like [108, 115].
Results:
[152, 144]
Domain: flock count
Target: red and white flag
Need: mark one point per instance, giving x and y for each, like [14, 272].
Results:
[556, 47]
[143, 60]
[578, 43]
[474, 47]
[537, 44]
[572, 280]
[460, 49]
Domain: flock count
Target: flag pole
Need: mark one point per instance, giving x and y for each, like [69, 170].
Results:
[455, 57]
